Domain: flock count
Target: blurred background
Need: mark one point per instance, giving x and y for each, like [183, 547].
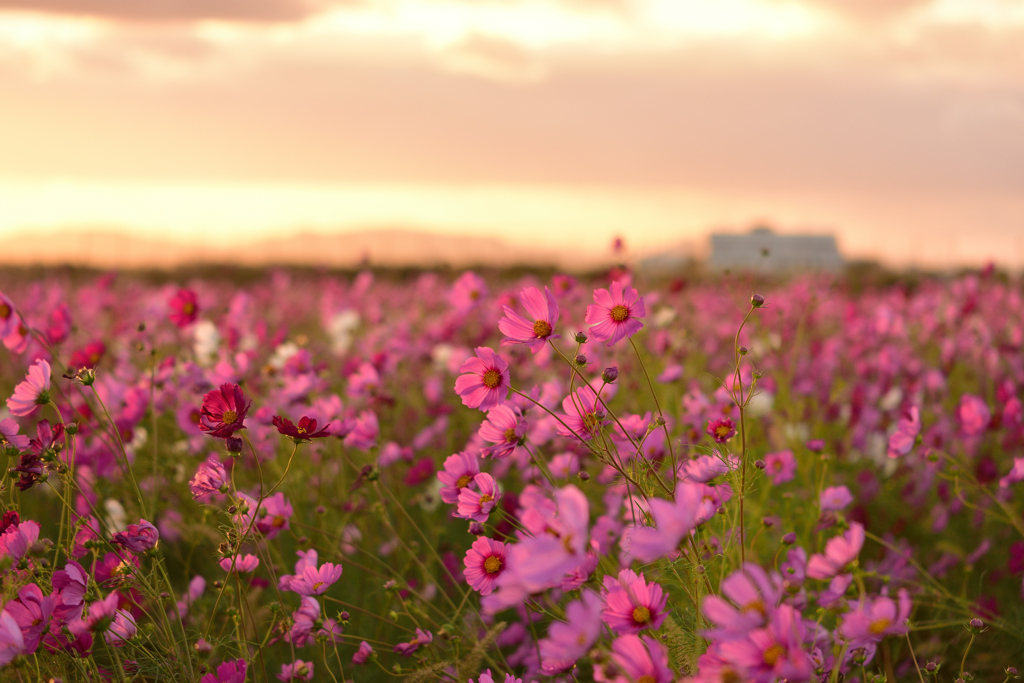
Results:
[143, 133]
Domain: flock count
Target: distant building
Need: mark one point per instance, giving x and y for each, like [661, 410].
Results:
[762, 250]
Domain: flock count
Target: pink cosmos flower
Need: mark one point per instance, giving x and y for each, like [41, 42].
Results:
[89, 355]
[1016, 474]
[296, 671]
[17, 539]
[33, 391]
[642, 659]
[98, 618]
[484, 562]
[752, 597]
[365, 432]
[58, 328]
[459, 470]
[973, 414]
[307, 625]
[872, 620]
[477, 505]
[227, 672]
[504, 428]
[196, 588]
[9, 437]
[902, 440]
[703, 469]
[780, 467]
[244, 564]
[721, 429]
[305, 430]
[307, 558]
[32, 612]
[184, 308]
[835, 498]
[631, 604]
[422, 638]
[673, 520]
[519, 330]
[365, 381]
[584, 415]
[569, 640]
[12, 643]
[615, 315]
[488, 677]
[484, 381]
[210, 478]
[774, 652]
[223, 411]
[468, 291]
[313, 581]
[137, 538]
[121, 630]
[277, 511]
[363, 653]
[839, 552]
[71, 583]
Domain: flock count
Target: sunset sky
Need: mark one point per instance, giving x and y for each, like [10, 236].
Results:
[898, 125]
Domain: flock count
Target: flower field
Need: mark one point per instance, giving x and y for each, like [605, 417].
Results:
[451, 477]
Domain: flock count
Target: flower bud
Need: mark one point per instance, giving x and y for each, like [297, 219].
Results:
[789, 539]
[757, 301]
[71, 428]
[584, 476]
[976, 625]
[931, 667]
[234, 445]
[345, 616]
[580, 338]
[768, 522]
[744, 351]
[610, 374]
[203, 646]
[581, 359]
[760, 464]
[476, 528]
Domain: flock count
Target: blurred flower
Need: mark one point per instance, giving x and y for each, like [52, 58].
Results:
[184, 308]
[33, 391]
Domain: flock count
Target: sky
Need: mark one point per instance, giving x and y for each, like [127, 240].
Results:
[897, 125]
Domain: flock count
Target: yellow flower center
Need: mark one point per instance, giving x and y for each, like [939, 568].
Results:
[772, 654]
[492, 565]
[646, 678]
[5, 312]
[464, 480]
[486, 498]
[229, 417]
[722, 430]
[542, 328]
[474, 295]
[492, 378]
[510, 435]
[620, 313]
[755, 606]
[641, 615]
[300, 430]
[878, 626]
[189, 308]
[316, 586]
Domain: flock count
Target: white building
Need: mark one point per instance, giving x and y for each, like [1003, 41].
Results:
[764, 251]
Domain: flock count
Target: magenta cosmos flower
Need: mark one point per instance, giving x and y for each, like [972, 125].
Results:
[363, 653]
[477, 505]
[137, 538]
[8, 318]
[296, 671]
[569, 640]
[314, 581]
[973, 414]
[227, 672]
[722, 429]
[468, 291]
[243, 564]
[210, 478]
[484, 381]
[422, 638]
[614, 315]
[874, 619]
[223, 411]
[9, 436]
[519, 330]
[184, 308]
[459, 470]
[642, 659]
[33, 391]
[583, 415]
[631, 604]
[305, 430]
[484, 562]
[754, 595]
[504, 428]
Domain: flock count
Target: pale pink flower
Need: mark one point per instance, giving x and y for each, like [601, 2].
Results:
[33, 391]
[839, 552]
[835, 498]
[780, 467]
[504, 428]
[243, 564]
[477, 505]
[363, 653]
[316, 581]
[519, 330]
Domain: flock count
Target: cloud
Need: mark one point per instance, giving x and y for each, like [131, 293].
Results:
[493, 58]
[174, 10]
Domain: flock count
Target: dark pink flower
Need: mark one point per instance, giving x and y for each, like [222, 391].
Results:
[721, 429]
[89, 355]
[902, 440]
[504, 428]
[485, 560]
[363, 653]
[484, 381]
[615, 315]
[477, 505]
[8, 316]
[305, 430]
[223, 411]
[459, 470]
[227, 672]
[32, 612]
[519, 330]
[631, 604]
[316, 581]
[33, 391]
[973, 414]
[839, 552]
[184, 308]
[642, 659]
[137, 538]
[58, 328]
[422, 638]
